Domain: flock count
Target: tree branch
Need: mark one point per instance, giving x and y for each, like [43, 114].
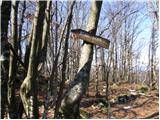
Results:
[18, 58]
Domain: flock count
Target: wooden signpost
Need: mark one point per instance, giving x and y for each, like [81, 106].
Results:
[88, 37]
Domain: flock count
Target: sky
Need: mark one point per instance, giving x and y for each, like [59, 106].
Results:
[145, 35]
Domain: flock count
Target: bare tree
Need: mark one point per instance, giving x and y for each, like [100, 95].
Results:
[5, 16]
[153, 44]
[28, 90]
[13, 64]
[64, 62]
[71, 100]
[20, 28]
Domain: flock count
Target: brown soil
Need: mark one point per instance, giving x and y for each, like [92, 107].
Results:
[144, 106]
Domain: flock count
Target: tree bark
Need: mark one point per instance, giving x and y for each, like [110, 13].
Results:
[13, 64]
[71, 100]
[28, 88]
[5, 17]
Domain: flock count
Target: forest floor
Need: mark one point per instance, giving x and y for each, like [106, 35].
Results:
[127, 101]
[143, 104]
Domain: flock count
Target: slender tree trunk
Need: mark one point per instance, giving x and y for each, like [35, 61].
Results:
[102, 64]
[45, 38]
[125, 72]
[13, 63]
[71, 100]
[153, 49]
[54, 74]
[96, 78]
[116, 60]
[5, 17]
[115, 66]
[28, 48]
[60, 93]
[28, 90]
[46, 29]
[56, 29]
[108, 69]
[20, 107]
[20, 29]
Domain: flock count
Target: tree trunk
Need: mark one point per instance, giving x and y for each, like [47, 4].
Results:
[20, 29]
[20, 107]
[102, 64]
[13, 64]
[60, 93]
[28, 88]
[107, 75]
[153, 50]
[45, 39]
[46, 28]
[97, 94]
[5, 16]
[71, 100]
[56, 28]
[28, 48]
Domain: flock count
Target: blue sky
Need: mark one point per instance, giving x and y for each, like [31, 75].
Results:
[145, 35]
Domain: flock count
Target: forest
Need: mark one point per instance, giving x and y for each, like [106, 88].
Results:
[79, 59]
